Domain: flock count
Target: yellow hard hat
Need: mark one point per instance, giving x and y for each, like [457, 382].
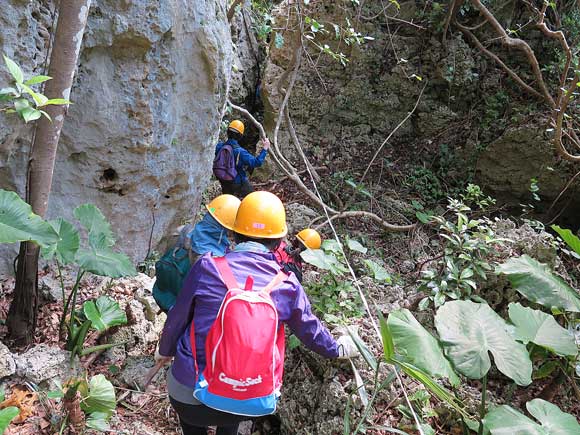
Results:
[237, 125]
[224, 208]
[310, 238]
[261, 215]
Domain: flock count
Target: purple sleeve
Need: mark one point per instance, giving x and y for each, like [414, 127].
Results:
[180, 315]
[294, 309]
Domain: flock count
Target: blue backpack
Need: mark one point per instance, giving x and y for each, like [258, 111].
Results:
[171, 270]
[224, 164]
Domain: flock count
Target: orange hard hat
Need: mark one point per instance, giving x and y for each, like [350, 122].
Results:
[309, 238]
[237, 125]
[261, 215]
[224, 209]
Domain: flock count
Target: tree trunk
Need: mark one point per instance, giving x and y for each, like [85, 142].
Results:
[72, 19]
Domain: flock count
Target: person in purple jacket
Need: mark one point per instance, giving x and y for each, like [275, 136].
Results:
[259, 227]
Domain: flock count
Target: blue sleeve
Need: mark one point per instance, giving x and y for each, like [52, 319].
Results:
[180, 315]
[248, 160]
[294, 309]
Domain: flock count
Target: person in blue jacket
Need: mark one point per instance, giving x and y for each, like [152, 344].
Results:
[208, 235]
[258, 229]
[245, 161]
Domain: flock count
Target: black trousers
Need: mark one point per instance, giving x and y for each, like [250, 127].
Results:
[195, 419]
[239, 190]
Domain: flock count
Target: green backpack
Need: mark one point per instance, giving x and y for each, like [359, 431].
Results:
[171, 270]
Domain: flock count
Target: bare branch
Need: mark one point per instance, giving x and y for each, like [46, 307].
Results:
[367, 214]
[296, 141]
[519, 44]
[453, 7]
[561, 113]
[558, 35]
[232, 9]
[496, 58]
[251, 118]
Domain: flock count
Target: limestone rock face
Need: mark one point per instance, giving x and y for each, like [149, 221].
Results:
[7, 364]
[524, 152]
[43, 363]
[148, 96]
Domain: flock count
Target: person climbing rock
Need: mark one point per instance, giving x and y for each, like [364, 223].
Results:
[195, 327]
[208, 235]
[232, 162]
[288, 255]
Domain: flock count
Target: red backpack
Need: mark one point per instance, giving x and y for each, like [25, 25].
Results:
[244, 350]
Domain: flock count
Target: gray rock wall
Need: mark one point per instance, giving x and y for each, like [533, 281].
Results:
[148, 96]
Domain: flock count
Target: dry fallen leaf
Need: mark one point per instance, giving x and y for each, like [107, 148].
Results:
[23, 400]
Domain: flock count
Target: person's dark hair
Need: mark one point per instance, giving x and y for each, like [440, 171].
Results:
[271, 244]
[233, 134]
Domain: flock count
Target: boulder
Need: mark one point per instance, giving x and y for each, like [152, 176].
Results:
[134, 371]
[139, 138]
[298, 217]
[7, 364]
[44, 363]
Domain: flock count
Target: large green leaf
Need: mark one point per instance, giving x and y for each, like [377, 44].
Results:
[504, 420]
[323, 260]
[104, 262]
[537, 283]
[100, 234]
[18, 223]
[355, 245]
[6, 416]
[542, 329]
[68, 242]
[418, 346]
[98, 421]
[570, 238]
[104, 313]
[100, 396]
[469, 331]
[379, 272]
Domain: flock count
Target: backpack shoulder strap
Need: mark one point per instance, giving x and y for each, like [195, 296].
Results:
[226, 272]
[281, 276]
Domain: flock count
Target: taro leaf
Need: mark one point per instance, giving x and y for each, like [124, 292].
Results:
[98, 421]
[418, 346]
[322, 260]
[537, 283]
[541, 329]
[18, 223]
[331, 245]
[100, 396]
[6, 416]
[100, 234]
[504, 420]
[469, 331]
[104, 262]
[354, 245]
[68, 242]
[104, 313]
[14, 69]
[379, 272]
[571, 240]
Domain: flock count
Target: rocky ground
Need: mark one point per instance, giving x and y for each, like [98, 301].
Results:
[317, 391]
